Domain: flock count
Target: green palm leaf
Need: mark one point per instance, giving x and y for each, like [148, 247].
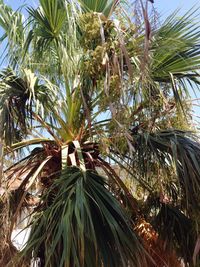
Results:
[13, 32]
[177, 231]
[83, 225]
[179, 149]
[101, 6]
[20, 97]
[49, 18]
[182, 58]
[74, 63]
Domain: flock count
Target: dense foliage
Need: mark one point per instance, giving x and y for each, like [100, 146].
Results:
[97, 138]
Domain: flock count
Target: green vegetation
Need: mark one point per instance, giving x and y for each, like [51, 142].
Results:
[97, 137]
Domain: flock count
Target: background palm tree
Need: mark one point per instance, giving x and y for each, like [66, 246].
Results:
[90, 90]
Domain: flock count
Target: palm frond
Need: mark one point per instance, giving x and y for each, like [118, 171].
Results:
[183, 57]
[13, 32]
[21, 96]
[51, 40]
[177, 231]
[100, 6]
[49, 18]
[76, 63]
[14, 95]
[92, 229]
[179, 150]
[175, 52]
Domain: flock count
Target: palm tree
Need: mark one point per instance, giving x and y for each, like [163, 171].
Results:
[89, 90]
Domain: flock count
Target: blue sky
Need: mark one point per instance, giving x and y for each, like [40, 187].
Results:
[163, 6]
[167, 6]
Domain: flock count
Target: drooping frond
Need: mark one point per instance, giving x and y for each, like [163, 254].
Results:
[13, 32]
[92, 229]
[177, 231]
[105, 86]
[174, 149]
[21, 96]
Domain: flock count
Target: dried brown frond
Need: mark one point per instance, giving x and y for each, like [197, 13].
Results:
[161, 257]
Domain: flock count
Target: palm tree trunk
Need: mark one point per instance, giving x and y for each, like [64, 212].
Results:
[1, 159]
[1, 151]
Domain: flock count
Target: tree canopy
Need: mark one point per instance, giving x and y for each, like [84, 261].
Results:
[97, 138]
